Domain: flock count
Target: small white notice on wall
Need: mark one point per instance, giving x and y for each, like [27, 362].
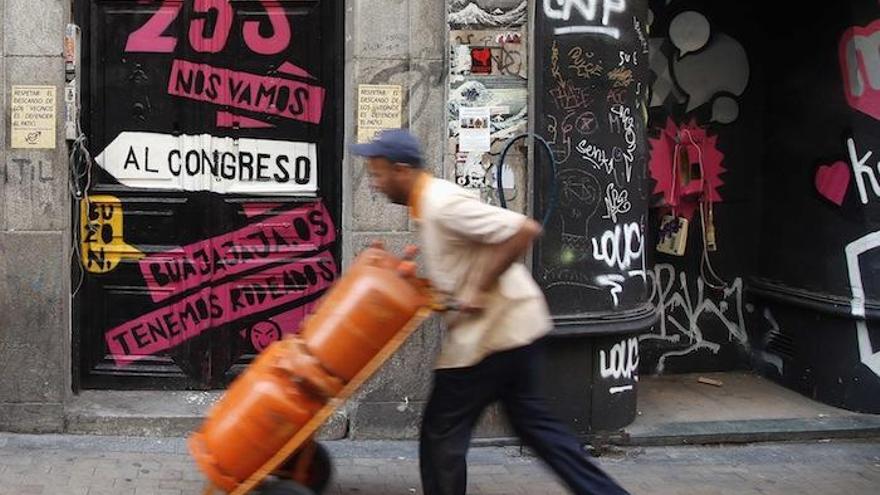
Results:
[474, 129]
[33, 110]
[379, 108]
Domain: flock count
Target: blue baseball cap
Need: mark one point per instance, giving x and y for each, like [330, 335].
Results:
[397, 145]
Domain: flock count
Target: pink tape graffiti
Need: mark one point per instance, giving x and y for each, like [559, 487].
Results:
[279, 238]
[268, 95]
[859, 53]
[167, 327]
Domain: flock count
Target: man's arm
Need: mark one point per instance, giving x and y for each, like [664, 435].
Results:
[505, 254]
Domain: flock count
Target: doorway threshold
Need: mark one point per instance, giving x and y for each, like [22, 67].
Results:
[735, 407]
[156, 414]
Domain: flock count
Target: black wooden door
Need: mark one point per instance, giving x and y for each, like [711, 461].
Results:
[209, 226]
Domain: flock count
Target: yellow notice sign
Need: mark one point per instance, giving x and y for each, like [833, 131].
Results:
[101, 231]
[33, 117]
[379, 108]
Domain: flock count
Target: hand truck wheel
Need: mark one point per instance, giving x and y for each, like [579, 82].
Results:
[320, 469]
[279, 486]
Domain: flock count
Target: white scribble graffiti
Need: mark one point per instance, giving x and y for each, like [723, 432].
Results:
[855, 249]
[617, 390]
[768, 357]
[860, 171]
[616, 202]
[624, 116]
[681, 314]
[619, 247]
[614, 281]
[596, 155]
[587, 10]
[622, 361]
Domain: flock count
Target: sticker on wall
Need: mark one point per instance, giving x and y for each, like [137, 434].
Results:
[33, 113]
[487, 52]
[379, 108]
[101, 235]
[481, 61]
[474, 129]
[223, 165]
[464, 13]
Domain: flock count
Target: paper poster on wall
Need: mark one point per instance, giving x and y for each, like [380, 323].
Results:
[32, 117]
[474, 129]
[379, 108]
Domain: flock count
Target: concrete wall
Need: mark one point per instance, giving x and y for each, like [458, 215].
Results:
[34, 230]
[409, 49]
[386, 41]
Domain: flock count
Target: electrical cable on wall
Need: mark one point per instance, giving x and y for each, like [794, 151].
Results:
[554, 187]
[716, 282]
[80, 162]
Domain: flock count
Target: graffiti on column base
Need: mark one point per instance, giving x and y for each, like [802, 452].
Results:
[621, 361]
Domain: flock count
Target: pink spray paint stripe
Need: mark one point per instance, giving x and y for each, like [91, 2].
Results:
[229, 120]
[211, 307]
[304, 230]
[256, 209]
[220, 86]
[294, 70]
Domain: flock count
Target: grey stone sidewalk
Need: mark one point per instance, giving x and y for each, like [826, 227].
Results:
[89, 465]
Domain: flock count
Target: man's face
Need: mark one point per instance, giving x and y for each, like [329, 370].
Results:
[386, 177]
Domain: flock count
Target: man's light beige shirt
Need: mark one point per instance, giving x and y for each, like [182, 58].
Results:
[458, 232]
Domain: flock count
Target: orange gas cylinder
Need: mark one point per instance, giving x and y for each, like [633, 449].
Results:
[377, 297]
[259, 412]
[292, 379]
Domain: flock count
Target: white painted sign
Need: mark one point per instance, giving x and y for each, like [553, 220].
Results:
[224, 165]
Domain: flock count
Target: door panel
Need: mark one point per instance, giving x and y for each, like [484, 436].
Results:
[209, 228]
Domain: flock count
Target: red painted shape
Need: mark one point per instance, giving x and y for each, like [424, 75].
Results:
[832, 181]
[223, 16]
[265, 332]
[662, 159]
[253, 92]
[294, 70]
[211, 307]
[859, 55]
[252, 210]
[481, 61]
[272, 240]
[149, 38]
[280, 38]
[228, 119]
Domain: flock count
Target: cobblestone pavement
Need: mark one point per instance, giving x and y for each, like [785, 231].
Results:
[60, 465]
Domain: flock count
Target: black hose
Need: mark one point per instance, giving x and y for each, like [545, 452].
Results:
[554, 187]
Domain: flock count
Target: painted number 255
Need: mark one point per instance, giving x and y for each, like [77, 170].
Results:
[210, 39]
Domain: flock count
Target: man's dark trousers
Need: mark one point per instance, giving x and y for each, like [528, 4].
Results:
[459, 396]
